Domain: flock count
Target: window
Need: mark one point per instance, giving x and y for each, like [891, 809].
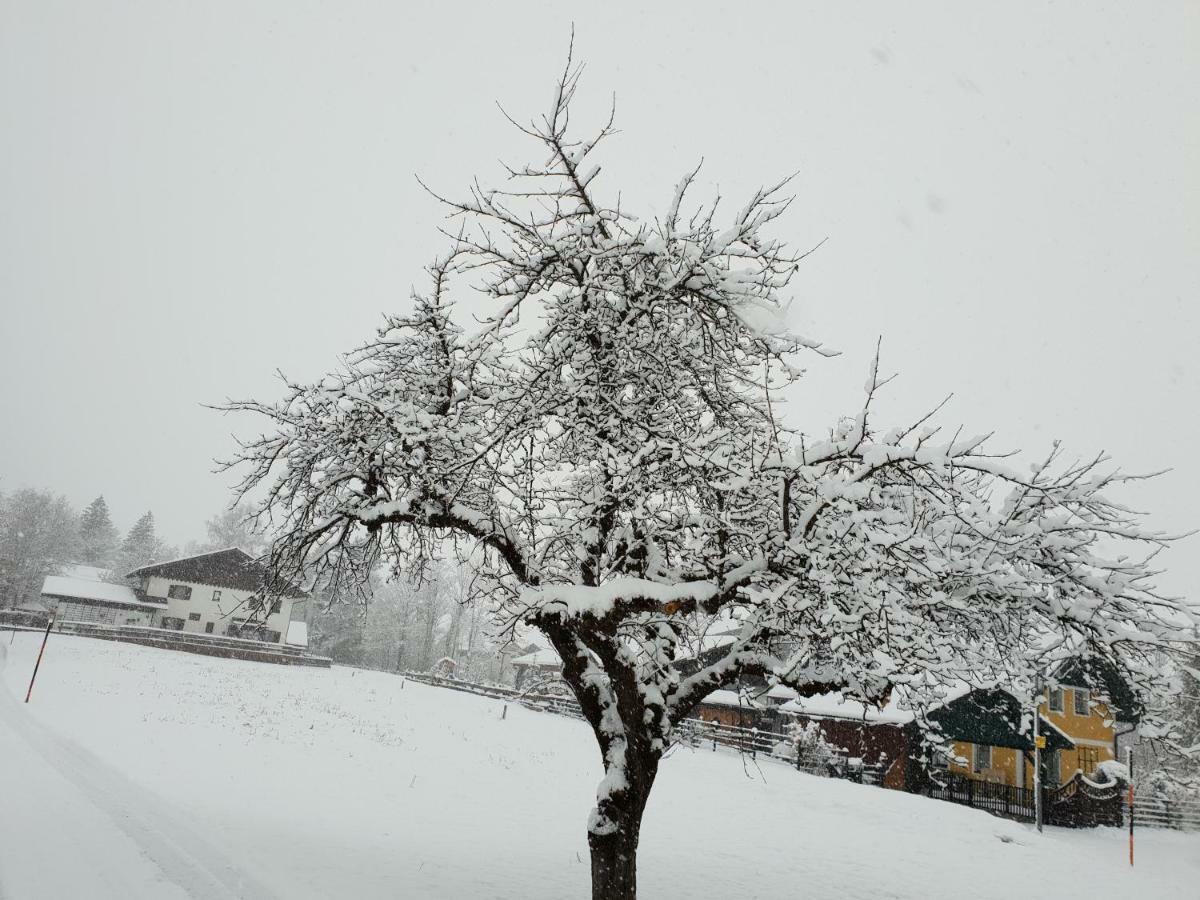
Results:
[1083, 706]
[983, 757]
[171, 622]
[208, 627]
[1089, 758]
[1056, 700]
[193, 617]
[179, 592]
[276, 606]
[216, 596]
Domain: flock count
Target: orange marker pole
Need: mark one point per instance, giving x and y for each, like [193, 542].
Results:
[38, 664]
[1129, 766]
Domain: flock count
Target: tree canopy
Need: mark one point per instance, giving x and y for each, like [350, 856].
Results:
[609, 441]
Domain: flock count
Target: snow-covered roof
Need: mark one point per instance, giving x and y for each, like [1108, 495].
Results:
[543, 657]
[834, 706]
[231, 568]
[88, 573]
[297, 634]
[728, 698]
[94, 591]
[897, 710]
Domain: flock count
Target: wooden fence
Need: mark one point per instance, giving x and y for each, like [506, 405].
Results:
[999, 799]
[692, 732]
[190, 642]
[1159, 812]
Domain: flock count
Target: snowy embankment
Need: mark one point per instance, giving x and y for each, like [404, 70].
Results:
[138, 772]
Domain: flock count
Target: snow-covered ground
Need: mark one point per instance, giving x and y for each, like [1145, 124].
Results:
[137, 772]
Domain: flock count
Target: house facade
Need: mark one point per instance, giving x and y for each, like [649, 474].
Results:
[1081, 724]
[217, 593]
[988, 733]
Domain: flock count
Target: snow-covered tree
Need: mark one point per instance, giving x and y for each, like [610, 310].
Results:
[1167, 754]
[811, 750]
[231, 528]
[98, 537]
[142, 546]
[610, 440]
[38, 534]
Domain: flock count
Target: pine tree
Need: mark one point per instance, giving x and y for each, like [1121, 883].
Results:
[141, 546]
[97, 535]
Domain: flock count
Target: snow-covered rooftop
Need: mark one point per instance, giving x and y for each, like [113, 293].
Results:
[543, 657]
[88, 573]
[728, 698]
[94, 591]
[834, 706]
[897, 710]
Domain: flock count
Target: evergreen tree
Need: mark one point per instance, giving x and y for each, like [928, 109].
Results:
[97, 535]
[141, 546]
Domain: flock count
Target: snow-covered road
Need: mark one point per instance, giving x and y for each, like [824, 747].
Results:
[144, 773]
[88, 830]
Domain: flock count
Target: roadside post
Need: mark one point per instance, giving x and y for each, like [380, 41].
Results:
[1129, 773]
[38, 664]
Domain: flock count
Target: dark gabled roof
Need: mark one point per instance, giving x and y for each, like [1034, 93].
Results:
[994, 717]
[1102, 677]
[233, 568]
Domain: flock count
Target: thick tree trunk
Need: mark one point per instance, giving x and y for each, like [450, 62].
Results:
[614, 865]
[614, 852]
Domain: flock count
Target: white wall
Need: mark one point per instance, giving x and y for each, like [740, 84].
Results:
[220, 612]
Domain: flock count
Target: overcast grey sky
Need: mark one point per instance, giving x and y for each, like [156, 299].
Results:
[192, 195]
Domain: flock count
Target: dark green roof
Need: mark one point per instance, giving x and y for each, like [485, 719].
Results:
[994, 717]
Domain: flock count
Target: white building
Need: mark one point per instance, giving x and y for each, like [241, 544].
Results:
[217, 593]
[86, 599]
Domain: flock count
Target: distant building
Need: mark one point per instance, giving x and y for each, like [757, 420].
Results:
[534, 668]
[81, 594]
[218, 593]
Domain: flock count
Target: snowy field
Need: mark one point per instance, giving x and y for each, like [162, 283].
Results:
[138, 772]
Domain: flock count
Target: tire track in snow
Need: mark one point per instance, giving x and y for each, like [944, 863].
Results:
[185, 858]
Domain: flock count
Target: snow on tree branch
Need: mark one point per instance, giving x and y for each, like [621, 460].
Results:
[608, 439]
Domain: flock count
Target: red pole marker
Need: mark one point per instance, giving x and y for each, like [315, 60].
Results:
[1129, 767]
[37, 664]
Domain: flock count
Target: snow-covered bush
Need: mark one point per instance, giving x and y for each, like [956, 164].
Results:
[811, 750]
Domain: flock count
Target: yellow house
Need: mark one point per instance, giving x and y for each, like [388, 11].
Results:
[1081, 727]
